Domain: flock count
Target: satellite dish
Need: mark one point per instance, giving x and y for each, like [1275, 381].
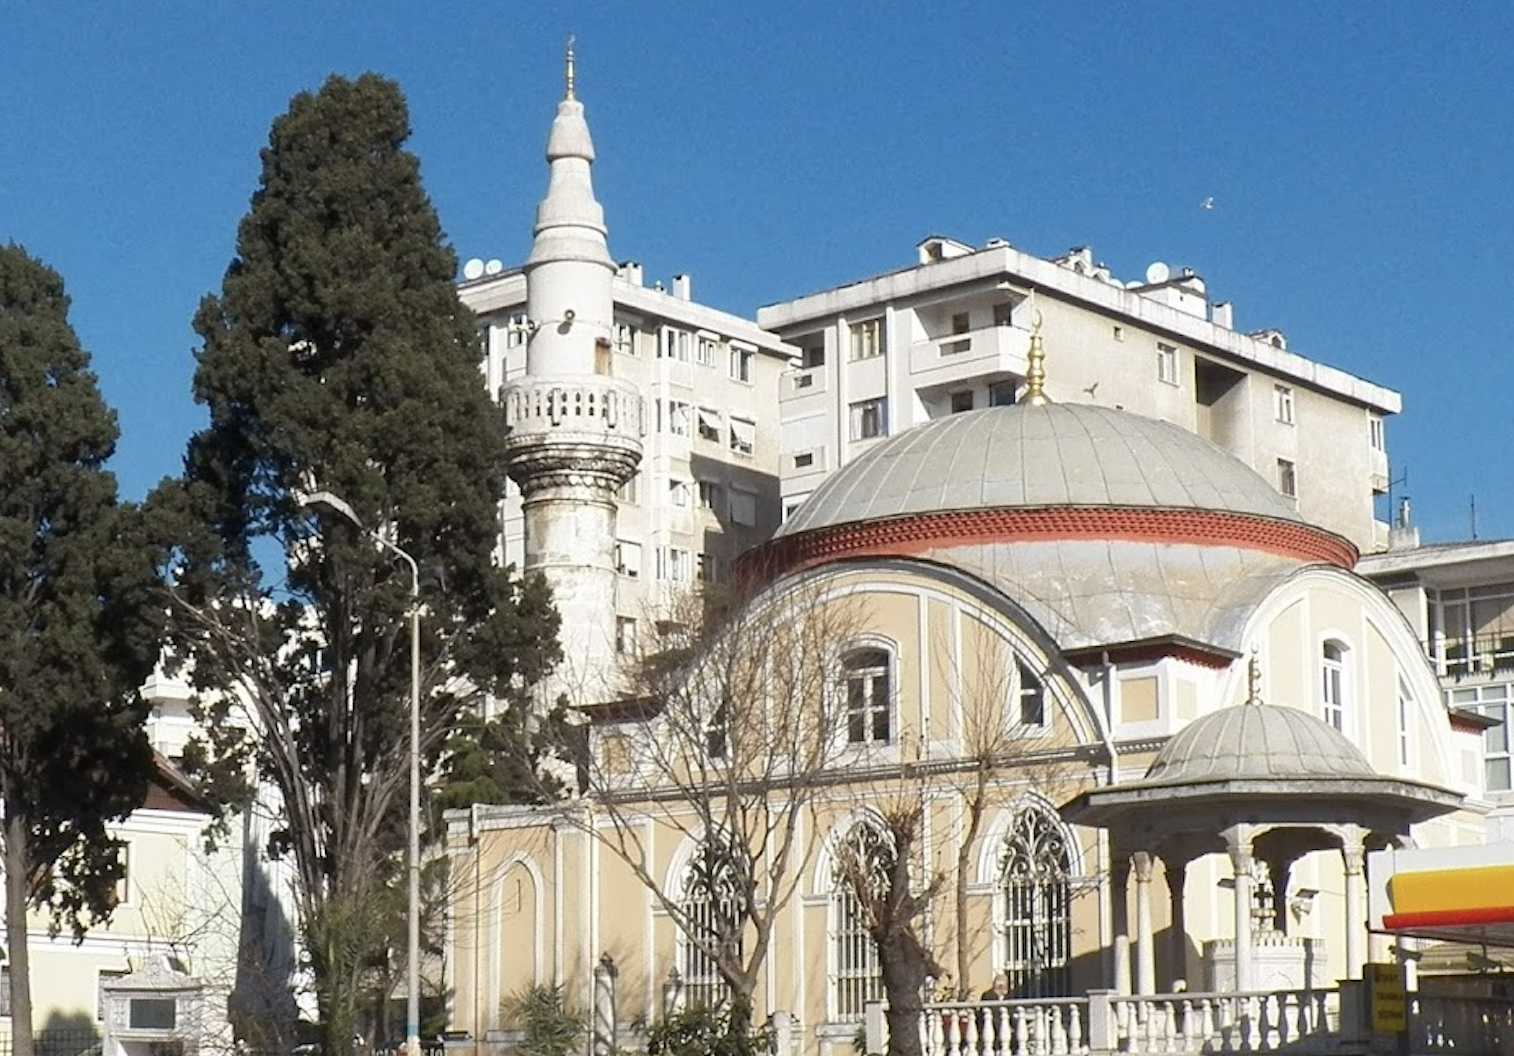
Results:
[1157, 272]
[494, 267]
[473, 269]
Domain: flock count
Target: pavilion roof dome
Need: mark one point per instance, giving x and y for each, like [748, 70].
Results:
[1257, 742]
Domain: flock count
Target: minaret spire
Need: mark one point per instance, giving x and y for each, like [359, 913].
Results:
[568, 77]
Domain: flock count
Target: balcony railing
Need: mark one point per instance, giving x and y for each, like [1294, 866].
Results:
[1482, 654]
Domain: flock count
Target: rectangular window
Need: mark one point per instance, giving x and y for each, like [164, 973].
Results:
[1004, 314]
[743, 507]
[704, 352]
[716, 733]
[1032, 698]
[1282, 403]
[804, 460]
[1494, 701]
[673, 343]
[961, 323]
[859, 972]
[1002, 393]
[1375, 432]
[625, 635]
[867, 339]
[962, 401]
[630, 491]
[869, 419]
[742, 360]
[1167, 364]
[709, 424]
[707, 568]
[672, 564]
[516, 331]
[625, 339]
[709, 496]
[1287, 478]
[867, 697]
[812, 351]
[680, 418]
[678, 491]
[743, 436]
[1333, 685]
[1405, 722]
[628, 558]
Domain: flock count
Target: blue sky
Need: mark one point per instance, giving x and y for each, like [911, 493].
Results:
[1361, 160]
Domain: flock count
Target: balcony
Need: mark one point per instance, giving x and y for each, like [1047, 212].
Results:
[1472, 656]
[958, 357]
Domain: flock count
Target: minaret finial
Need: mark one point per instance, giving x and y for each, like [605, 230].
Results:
[569, 75]
[1035, 370]
[1253, 679]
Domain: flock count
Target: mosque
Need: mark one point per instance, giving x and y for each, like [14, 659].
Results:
[1146, 719]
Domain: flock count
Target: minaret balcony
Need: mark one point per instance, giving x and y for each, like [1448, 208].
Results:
[584, 431]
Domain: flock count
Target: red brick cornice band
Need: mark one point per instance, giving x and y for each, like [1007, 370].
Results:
[916, 533]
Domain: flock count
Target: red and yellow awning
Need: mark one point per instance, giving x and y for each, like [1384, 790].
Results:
[1438, 898]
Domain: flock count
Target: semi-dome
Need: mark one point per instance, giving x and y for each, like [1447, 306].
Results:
[1257, 742]
[1025, 456]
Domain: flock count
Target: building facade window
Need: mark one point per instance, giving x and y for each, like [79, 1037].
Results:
[628, 558]
[1282, 403]
[743, 436]
[1333, 684]
[869, 702]
[867, 339]
[673, 564]
[1035, 867]
[673, 343]
[1031, 694]
[710, 427]
[1375, 432]
[1167, 363]
[961, 401]
[869, 419]
[678, 492]
[1287, 478]
[680, 418]
[704, 350]
[709, 496]
[630, 491]
[1494, 700]
[743, 507]
[625, 635]
[742, 362]
[861, 872]
[625, 339]
[1002, 393]
[1476, 628]
[1405, 723]
[712, 915]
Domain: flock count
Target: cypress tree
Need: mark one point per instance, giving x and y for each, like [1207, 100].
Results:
[79, 619]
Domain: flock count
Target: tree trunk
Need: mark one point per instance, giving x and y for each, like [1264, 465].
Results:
[22, 1041]
[904, 975]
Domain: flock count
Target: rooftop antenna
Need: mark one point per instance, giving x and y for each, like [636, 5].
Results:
[1472, 512]
[1393, 483]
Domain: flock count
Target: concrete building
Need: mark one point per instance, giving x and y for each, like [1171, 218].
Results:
[643, 425]
[1459, 599]
[951, 333]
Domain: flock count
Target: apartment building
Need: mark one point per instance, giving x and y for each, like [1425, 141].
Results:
[707, 485]
[1459, 599]
[951, 333]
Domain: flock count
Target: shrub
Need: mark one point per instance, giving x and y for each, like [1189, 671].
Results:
[549, 1025]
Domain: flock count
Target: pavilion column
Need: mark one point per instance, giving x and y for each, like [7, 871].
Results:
[1239, 845]
[1353, 854]
[1176, 870]
[1119, 881]
[1146, 970]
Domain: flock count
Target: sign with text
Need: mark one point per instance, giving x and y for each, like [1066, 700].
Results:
[1389, 1001]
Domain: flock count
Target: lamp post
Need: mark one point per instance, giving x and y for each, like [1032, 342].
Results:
[413, 970]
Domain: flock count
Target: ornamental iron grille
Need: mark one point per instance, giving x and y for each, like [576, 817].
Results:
[712, 900]
[1035, 865]
[861, 875]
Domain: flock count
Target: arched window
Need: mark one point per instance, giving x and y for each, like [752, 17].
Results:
[1333, 684]
[860, 871]
[711, 910]
[1035, 864]
[869, 701]
[1032, 695]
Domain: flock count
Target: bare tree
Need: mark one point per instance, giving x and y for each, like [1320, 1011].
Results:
[732, 727]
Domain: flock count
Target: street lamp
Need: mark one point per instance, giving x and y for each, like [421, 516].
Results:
[340, 505]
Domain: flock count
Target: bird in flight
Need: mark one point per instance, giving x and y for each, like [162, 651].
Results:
[1206, 204]
[1092, 389]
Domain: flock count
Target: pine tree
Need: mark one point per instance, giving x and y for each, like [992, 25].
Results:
[338, 358]
[79, 620]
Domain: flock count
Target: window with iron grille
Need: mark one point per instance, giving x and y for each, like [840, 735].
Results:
[1034, 869]
[712, 911]
[863, 863]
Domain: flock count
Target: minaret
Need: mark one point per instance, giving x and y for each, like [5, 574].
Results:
[574, 431]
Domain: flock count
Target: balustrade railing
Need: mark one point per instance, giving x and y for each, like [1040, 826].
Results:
[1232, 1022]
[1036, 1027]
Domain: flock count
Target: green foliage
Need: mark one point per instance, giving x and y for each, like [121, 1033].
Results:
[79, 616]
[550, 1026]
[725, 1030]
[337, 357]
[500, 760]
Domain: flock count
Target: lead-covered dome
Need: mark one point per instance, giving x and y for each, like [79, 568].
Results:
[1055, 455]
[1257, 742]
